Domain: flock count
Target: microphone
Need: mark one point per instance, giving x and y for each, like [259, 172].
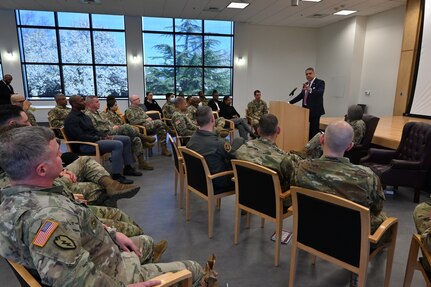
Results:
[292, 92]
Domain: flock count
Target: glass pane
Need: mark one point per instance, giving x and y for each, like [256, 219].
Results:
[43, 80]
[107, 21]
[218, 51]
[78, 80]
[218, 79]
[40, 45]
[189, 80]
[74, 20]
[159, 80]
[111, 81]
[75, 46]
[109, 47]
[188, 26]
[158, 49]
[218, 27]
[188, 50]
[36, 18]
[157, 24]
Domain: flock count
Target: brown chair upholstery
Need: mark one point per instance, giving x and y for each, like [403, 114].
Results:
[416, 263]
[258, 192]
[360, 150]
[408, 165]
[338, 230]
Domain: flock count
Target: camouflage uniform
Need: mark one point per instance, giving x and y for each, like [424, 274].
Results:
[422, 218]
[219, 122]
[359, 129]
[113, 117]
[79, 250]
[191, 113]
[102, 124]
[168, 110]
[137, 116]
[57, 115]
[204, 101]
[183, 124]
[339, 177]
[31, 118]
[255, 109]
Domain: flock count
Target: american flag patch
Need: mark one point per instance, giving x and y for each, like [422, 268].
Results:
[45, 232]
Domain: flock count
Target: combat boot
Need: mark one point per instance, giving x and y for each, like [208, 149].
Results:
[143, 164]
[165, 150]
[116, 190]
[158, 250]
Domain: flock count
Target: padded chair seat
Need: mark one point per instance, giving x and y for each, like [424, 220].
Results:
[378, 169]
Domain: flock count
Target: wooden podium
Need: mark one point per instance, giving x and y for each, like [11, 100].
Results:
[293, 121]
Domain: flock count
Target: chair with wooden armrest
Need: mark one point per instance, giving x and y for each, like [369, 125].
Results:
[338, 230]
[24, 276]
[229, 125]
[181, 278]
[180, 140]
[199, 181]
[415, 263]
[258, 192]
[178, 170]
[73, 146]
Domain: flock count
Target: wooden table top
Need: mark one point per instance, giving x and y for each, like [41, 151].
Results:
[388, 132]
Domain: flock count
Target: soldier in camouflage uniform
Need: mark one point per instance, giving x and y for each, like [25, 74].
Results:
[137, 116]
[168, 108]
[334, 174]
[20, 101]
[180, 121]
[256, 108]
[203, 99]
[57, 115]
[71, 247]
[106, 127]
[422, 218]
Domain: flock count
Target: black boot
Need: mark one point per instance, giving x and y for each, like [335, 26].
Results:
[129, 170]
[121, 179]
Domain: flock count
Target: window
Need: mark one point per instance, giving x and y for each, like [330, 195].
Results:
[73, 53]
[186, 55]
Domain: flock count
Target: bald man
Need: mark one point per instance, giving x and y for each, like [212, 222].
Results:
[332, 173]
[20, 101]
[6, 90]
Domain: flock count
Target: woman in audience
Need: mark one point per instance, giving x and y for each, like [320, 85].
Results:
[151, 104]
[112, 98]
[227, 111]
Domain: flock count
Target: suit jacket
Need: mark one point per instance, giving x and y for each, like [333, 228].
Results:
[314, 99]
[212, 104]
[5, 92]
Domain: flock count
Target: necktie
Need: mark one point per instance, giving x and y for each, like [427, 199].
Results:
[306, 95]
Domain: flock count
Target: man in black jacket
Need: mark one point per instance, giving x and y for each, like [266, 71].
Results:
[6, 90]
[215, 103]
[312, 99]
[79, 127]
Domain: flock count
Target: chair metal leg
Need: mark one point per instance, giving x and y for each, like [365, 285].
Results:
[411, 262]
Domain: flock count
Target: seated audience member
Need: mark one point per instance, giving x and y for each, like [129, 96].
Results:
[117, 111]
[79, 126]
[192, 108]
[46, 231]
[106, 127]
[168, 108]
[422, 218]
[202, 98]
[313, 148]
[137, 116]
[19, 100]
[256, 108]
[180, 121]
[227, 111]
[332, 173]
[215, 103]
[217, 151]
[264, 150]
[151, 104]
[58, 114]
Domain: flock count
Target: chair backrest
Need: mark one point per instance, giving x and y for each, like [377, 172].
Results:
[256, 186]
[371, 125]
[155, 115]
[175, 152]
[70, 147]
[24, 276]
[334, 226]
[415, 143]
[196, 170]
[215, 114]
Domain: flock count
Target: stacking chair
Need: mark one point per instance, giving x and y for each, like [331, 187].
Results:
[230, 125]
[180, 140]
[338, 230]
[179, 169]
[199, 182]
[415, 263]
[72, 146]
[24, 276]
[258, 192]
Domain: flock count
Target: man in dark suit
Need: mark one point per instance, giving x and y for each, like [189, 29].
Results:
[6, 90]
[312, 99]
[215, 103]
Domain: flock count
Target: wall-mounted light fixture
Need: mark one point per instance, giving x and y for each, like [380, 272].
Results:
[240, 61]
[135, 59]
[10, 55]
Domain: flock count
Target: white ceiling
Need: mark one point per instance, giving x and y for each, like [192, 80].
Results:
[263, 12]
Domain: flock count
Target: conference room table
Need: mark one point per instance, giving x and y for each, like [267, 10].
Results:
[388, 132]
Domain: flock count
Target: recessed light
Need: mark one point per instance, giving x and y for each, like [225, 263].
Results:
[345, 12]
[238, 5]
[311, 0]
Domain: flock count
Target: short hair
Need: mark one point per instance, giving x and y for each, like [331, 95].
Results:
[168, 95]
[268, 124]
[338, 136]
[56, 96]
[178, 101]
[255, 92]
[9, 112]
[73, 99]
[214, 92]
[355, 113]
[225, 98]
[19, 156]
[309, 69]
[89, 99]
[203, 115]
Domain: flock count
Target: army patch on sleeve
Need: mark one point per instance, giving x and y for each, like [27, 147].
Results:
[45, 232]
[64, 242]
[227, 147]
